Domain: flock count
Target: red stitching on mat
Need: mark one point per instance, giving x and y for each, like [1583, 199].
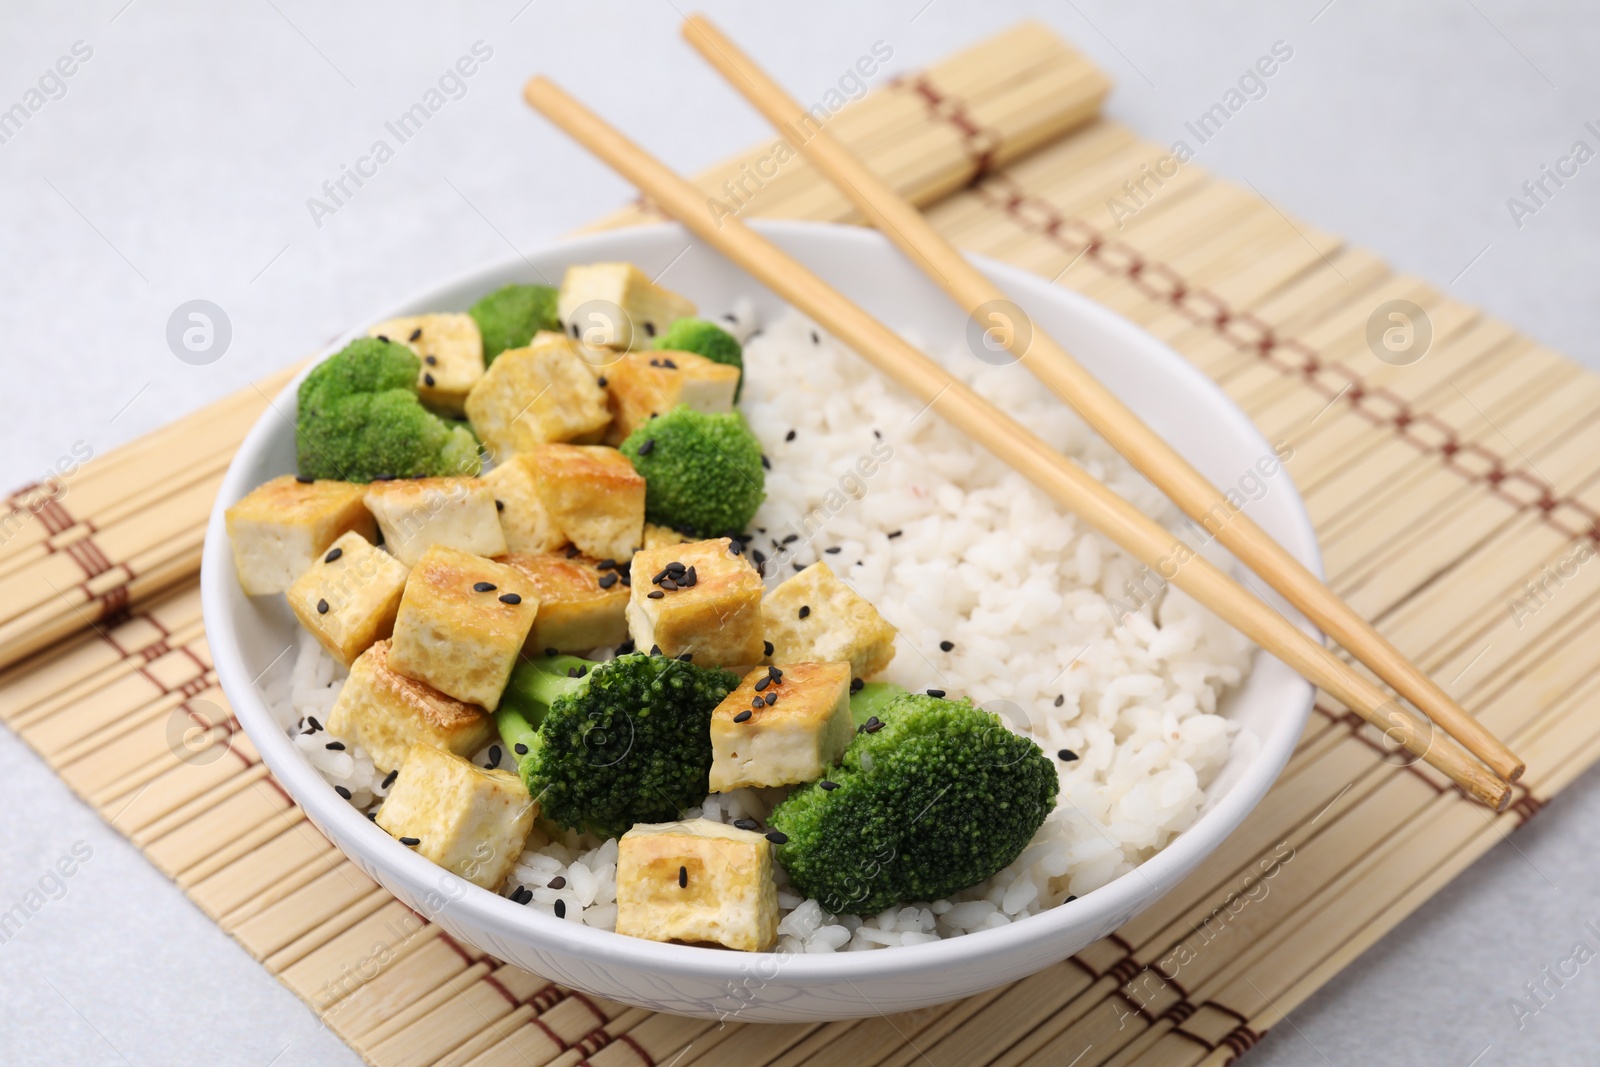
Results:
[981, 142]
[600, 1016]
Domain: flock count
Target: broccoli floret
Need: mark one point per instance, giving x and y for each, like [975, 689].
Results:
[706, 339]
[702, 473]
[615, 743]
[937, 798]
[869, 700]
[360, 420]
[511, 315]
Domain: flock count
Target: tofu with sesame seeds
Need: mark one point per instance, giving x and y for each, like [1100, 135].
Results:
[386, 713]
[282, 526]
[451, 349]
[462, 623]
[594, 496]
[418, 513]
[471, 821]
[349, 597]
[535, 395]
[818, 618]
[782, 726]
[581, 604]
[645, 384]
[715, 616]
[617, 305]
[524, 521]
[697, 881]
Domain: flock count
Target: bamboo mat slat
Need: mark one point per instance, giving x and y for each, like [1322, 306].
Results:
[1431, 524]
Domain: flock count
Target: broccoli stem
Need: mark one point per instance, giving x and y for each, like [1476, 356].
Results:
[872, 698]
[515, 728]
[545, 679]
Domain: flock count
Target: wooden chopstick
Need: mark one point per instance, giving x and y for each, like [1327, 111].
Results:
[909, 229]
[1058, 476]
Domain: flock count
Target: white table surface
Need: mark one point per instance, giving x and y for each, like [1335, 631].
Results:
[177, 166]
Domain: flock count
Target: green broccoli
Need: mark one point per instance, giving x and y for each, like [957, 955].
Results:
[934, 797]
[605, 745]
[867, 700]
[511, 315]
[703, 473]
[706, 339]
[360, 420]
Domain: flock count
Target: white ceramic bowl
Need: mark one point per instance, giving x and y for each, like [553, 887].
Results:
[246, 636]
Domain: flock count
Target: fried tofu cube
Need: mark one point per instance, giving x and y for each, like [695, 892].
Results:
[617, 305]
[581, 606]
[534, 395]
[386, 713]
[451, 349]
[657, 536]
[644, 384]
[462, 624]
[814, 617]
[716, 617]
[524, 521]
[349, 597]
[418, 513]
[697, 881]
[594, 496]
[797, 724]
[280, 527]
[470, 821]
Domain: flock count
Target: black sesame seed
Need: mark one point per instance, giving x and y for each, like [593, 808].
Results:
[655, 650]
[334, 746]
[389, 778]
[510, 598]
[772, 698]
[873, 726]
[647, 446]
[606, 565]
[805, 610]
[601, 381]
[768, 647]
[777, 837]
[857, 684]
[1070, 898]
[416, 334]
[626, 647]
[676, 568]
[520, 749]
[830, 786]
[878, 434]
[766, 464]
[690, 579]
[667, 363]
[683, 877]
[816, 338]
[303, 480]
[728, 316]
[483, 587]
[743, 716]
[685, 657]
[745, 824]
[655, 594]
[372, 816]
[791, 539]
[763, 683]
[760, 558]
[494, 756]
[427, 379]
[384, 338]
[789, 436]
[735, 547]
[936, 692]
[577, 672]
[333, 555]
[1060, 700]
[432, 361]
[775, 672]
[322, 607]
[561, 908]
[412, 841]
[559, 882]
[669, 585]
[757, 702]
[499, 505]
[833, 550]
[607, 581]
[342, 791]
[650, 329]
[311, 721]
[1066, 755]
[946, 646]
[892, 534]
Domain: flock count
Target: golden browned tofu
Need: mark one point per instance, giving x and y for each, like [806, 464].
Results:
[280, 527]
[645, 384]
[451, 350]
[418, 513]
[594, 496]
[470, 821]
[534, 395]
[817, 618]
[348, 597]
[462, 624]
[525, 523]
[697, 881]
[657, 536]
[616, 305]
[782, 726]
[386, 713]
[715, 614]
[581, 605]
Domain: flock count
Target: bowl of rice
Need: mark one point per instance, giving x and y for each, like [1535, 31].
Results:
[1169, 726]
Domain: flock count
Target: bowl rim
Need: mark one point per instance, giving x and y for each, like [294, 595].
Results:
[477, 908]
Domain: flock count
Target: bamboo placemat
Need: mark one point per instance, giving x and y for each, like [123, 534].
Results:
[1434, 488]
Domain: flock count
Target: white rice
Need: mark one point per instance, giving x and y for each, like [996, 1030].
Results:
[1027, 596]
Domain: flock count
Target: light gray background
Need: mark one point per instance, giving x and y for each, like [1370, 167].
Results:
[178, 164]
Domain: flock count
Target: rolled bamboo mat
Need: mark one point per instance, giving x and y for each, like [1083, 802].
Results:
[1430, 522]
